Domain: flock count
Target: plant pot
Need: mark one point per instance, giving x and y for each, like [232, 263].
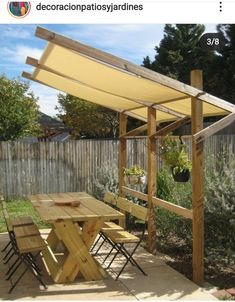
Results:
[135, 179]
[181, 176]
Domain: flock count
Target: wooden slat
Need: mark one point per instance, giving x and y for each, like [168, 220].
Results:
[101, 209]
[217, 126]
[124, 204]
[111, 226]
[26, 230]
[39, 197]
[52, 213]
[121, 237]
[79, 213]
[110, 198]
[173, 207]
[197, 184]
[30, 244]
[139, 212]
[135, 193]
[21, 220]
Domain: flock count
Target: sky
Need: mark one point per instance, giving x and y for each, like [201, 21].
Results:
[132, 42]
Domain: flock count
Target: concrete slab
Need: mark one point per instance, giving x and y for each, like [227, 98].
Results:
[161, 283]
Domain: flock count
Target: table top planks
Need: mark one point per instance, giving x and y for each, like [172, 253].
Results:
[89, 208]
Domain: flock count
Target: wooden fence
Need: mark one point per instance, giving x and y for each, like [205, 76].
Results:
[47, 167]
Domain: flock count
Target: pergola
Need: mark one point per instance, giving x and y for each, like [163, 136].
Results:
[135, 91]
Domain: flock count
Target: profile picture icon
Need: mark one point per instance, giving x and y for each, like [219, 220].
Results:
[19, 9]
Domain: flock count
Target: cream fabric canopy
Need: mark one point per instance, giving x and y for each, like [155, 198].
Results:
[109, 81]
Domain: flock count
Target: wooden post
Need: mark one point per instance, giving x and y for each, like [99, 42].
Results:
[122, 151]
[197, 183]
[151, 179]
[122, 157]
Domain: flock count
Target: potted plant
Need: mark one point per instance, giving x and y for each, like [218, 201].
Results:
[134, 175]
[174, 154]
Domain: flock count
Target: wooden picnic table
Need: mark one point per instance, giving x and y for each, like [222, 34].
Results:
[77, 228]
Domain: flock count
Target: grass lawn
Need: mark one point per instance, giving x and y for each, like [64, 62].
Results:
[21, 207]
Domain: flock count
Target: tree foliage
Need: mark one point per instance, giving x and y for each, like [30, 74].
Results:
[179, 52]
[224, 76]
[87, 119]
[19, 110]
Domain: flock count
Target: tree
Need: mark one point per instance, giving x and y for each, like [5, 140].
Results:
[87, 119]
[224, 76]
[19, 110]
[179, 52]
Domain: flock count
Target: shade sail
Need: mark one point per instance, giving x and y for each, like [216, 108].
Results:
[109, 81]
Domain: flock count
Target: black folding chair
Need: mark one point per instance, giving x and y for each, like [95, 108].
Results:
[27, 250]
[120, 239]
[110, 199]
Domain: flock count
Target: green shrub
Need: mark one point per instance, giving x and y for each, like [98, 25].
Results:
[106, 180]
[220, 209]
[168, 223]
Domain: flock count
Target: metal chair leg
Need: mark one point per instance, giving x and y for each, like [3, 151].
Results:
[96, 252]
[129, 259]
[115, 255]
[9, 258]
[12, 266]
[6, 246]
[6, 255]
[95, 244]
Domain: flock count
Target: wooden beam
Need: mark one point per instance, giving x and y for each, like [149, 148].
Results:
[132, 68]
[197, 184]
[134, 108]
[122, 158]
[151, 174]
[174, 100]
[122, 152]
[135, 193]
[173, 126]
[169, 111]
[136, 137]
[217, 126]
[173, 207]
[136, 131]
[160, 202]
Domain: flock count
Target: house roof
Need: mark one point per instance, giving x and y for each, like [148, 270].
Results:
[48, 121]
[112, 82]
